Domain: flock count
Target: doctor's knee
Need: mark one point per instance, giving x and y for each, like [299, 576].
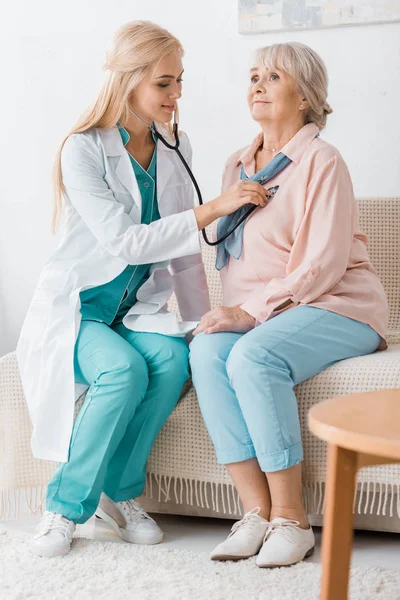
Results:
[129, 375]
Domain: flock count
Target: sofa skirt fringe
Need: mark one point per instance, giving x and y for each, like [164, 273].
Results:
[374, 498]
[371, 497]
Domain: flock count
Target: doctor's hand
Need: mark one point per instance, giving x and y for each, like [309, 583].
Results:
[240, 193]
[225, 318]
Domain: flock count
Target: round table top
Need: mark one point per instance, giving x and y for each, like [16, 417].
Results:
[368, 422]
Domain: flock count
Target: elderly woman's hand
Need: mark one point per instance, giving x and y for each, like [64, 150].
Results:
[224, 318]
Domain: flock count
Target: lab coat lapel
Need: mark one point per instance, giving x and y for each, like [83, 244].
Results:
[126, 175]
[165, 170]
[113, 146]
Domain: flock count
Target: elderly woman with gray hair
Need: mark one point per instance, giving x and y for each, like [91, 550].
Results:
[299, 295]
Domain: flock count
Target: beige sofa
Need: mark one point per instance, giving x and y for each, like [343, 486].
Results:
[183, 475]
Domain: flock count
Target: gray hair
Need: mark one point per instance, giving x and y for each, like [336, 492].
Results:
[307, 68]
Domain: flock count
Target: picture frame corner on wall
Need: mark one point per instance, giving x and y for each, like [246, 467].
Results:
[263, 16]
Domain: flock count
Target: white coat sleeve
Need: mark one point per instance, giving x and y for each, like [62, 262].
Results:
[189, 278]
[83, 177]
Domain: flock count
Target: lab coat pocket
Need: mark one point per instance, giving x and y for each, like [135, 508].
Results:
[154, 293]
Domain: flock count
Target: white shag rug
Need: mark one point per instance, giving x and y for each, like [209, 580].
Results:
[96, 570]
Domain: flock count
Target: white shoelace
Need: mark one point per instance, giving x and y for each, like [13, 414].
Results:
[133, 510]
[248, 519]
[54, 522]
[284, 529]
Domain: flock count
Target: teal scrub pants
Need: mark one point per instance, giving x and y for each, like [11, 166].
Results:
[135, 381]
[245, 382]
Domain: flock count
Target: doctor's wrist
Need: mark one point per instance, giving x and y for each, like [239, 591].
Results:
[207, 213]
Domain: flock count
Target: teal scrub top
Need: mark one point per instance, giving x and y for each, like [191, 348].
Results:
[110, 302]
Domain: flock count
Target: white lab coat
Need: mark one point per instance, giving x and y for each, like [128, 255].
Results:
[102, 235]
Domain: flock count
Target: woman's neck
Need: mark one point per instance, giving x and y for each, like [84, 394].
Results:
[277, 135]
[139, 134]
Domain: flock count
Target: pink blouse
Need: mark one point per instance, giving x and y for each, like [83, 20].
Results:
[305, 246]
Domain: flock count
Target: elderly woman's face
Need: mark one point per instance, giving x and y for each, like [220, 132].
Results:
[274, 96]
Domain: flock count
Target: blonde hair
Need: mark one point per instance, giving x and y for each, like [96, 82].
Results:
[134, 48]
[307, 68]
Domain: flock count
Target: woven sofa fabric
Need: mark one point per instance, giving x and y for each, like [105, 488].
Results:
[182, 463]
[380, 220]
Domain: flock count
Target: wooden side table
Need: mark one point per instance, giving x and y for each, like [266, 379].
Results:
[361, 430]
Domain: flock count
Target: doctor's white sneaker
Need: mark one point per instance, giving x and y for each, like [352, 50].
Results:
[53, 535]
[285, 544]
[245, 539]
[129, 520]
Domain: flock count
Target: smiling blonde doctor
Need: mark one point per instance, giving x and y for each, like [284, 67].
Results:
[98, 318]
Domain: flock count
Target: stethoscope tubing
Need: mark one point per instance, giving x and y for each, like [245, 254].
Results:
[175, 147]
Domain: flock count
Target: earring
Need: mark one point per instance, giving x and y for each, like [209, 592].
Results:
[301, 105]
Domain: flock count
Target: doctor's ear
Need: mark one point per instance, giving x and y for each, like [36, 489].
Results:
[304, 104]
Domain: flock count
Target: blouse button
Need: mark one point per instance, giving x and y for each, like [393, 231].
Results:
[146, 184]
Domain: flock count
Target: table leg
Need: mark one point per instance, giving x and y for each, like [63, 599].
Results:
[337, 534]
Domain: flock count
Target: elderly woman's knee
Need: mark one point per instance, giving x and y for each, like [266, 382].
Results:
[247, 354]
[202, 349]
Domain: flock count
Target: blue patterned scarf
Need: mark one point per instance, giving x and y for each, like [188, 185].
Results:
[233, 244]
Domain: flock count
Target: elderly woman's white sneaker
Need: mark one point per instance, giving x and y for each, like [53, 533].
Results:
[245, 539]
[285, 543]
[53, 535]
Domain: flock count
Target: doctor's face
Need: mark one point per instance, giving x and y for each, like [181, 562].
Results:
[274, 96]
[156, 96]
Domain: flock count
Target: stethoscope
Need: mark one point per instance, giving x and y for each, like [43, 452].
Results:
[175, 147]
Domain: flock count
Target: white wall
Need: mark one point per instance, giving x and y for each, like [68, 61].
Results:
[52, 53]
